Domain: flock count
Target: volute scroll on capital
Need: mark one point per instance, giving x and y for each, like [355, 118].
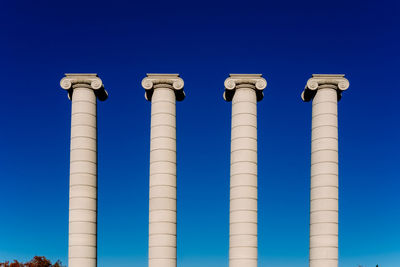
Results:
[252, 81]
[319, 81]
[88, 80]
[172, 81]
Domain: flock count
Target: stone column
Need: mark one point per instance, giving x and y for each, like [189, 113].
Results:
[244, 90]
[83, 89]
[162, 90]
[324, 90]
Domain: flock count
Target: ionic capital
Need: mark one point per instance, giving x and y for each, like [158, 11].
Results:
[252, 81]
[319, 81]
[171, 81]
[87, 80]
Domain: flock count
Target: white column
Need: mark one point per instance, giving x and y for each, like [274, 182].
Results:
[162, 90]
[324, 91]
[82, 237]
[244, 90]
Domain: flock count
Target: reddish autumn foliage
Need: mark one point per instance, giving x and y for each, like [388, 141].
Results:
[37, 261]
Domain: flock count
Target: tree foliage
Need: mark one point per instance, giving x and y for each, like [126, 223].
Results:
[37, 261]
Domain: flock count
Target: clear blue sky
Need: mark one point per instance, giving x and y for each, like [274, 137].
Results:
[204, 41]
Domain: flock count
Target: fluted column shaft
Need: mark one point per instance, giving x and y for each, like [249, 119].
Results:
[243, 182]
[324, 179]
[83, 90]
[162, 195]
[83, 179]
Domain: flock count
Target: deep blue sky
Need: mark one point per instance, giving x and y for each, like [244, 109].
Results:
[204, 41]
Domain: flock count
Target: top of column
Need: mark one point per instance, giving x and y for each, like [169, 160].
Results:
[86, 80]
[252, 81]
[156, 80]
[319, 81]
